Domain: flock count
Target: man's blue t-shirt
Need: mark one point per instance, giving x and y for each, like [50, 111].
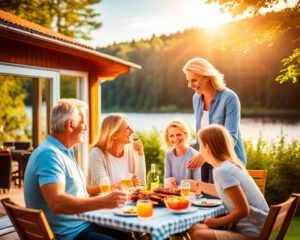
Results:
[52, 162]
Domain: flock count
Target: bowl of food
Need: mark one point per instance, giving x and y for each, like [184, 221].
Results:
[177, 203]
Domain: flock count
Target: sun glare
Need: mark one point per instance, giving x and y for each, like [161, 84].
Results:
[206, 15]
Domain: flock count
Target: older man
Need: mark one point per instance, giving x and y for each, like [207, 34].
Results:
[55, 183]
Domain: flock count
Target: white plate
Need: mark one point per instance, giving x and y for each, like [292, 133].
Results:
[122, 212]
[192, 198]
[188, 210]
[205, 202]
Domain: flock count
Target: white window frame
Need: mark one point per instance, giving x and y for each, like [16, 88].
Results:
[82, 93]
[35, 72]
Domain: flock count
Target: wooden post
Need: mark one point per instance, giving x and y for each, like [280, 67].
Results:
[36, 111]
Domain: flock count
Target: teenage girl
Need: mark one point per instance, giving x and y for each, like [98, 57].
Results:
[244, 202]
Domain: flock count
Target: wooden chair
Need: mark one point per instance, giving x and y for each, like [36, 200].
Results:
[260, 178]
[280, 217]
[22, 145]
[5, 170]
[29, 223]
[8, 144]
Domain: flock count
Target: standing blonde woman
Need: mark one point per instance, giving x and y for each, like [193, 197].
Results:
[244, 202]
[115, 155]
[213, 103]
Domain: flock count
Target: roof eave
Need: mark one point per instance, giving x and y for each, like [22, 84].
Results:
[72, 46]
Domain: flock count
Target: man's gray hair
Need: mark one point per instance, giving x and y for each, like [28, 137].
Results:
[66, 109]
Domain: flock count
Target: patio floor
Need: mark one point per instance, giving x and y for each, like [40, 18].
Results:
[16, 195]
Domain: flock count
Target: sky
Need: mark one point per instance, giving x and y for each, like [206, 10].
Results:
[127, 20]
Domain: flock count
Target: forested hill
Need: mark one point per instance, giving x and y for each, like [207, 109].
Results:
[248, 52]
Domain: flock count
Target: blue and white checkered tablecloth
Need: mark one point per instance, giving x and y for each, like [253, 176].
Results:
[162, 225]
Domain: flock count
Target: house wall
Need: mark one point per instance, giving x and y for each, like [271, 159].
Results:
[23, 53]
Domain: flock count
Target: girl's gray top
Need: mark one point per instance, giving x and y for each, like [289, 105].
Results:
[229, 175]
[175, 166]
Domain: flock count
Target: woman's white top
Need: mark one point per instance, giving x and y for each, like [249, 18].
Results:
[119, 166]
[204, 119]
[106, 165]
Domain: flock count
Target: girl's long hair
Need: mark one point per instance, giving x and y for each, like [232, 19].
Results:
[220, 143]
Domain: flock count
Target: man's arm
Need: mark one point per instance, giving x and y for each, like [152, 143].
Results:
[93, 190]
[61, 203]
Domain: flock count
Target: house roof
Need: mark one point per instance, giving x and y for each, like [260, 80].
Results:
[17, 22]
[13, 23]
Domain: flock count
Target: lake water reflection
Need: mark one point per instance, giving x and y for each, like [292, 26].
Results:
[251, 128]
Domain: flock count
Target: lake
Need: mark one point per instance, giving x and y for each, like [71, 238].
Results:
[251, 128]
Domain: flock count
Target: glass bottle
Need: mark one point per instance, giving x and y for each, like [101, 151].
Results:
[152, 178]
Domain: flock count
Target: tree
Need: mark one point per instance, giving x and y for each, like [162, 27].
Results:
[70, 17]
[14, 123]
[291, 64]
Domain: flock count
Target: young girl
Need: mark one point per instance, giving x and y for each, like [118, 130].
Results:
[178, 154]
[246, 206]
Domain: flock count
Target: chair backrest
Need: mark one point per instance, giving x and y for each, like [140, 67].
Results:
[22, 145]
[5, 170]
[260, 178]
[29, 223]
[8, 144]
[280, 217]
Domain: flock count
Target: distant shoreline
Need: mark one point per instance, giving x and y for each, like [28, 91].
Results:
[293, 115]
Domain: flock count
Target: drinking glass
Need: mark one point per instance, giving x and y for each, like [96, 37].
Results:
[105, 185]
[185, 187]
[144, 209]
[126, 181]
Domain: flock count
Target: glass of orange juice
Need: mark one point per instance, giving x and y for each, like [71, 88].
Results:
[144, 209]
[126, 181]
[185, 187]
[105, 185]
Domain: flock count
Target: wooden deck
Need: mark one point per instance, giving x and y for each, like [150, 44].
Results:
[16, 194]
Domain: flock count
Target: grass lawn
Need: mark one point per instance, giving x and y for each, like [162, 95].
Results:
[293, 232]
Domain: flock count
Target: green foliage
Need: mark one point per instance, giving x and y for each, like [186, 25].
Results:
[293, 232]
[67, 87]
[37, 11]
[70, 17]
[153, 149]
[292, 68]
[291, 64]
[282, 160]
[14, 122]
[237, 7]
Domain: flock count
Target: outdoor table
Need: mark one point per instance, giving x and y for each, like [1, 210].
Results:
[162, 225]
[21, 156]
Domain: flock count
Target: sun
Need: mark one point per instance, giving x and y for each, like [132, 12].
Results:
[206, 16]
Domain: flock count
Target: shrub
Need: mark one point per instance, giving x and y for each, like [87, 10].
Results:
[153, 150]
[282, 161]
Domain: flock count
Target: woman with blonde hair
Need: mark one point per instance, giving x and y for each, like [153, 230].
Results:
[244, 202]
[115, 155]
[213, 103]
[176, 136]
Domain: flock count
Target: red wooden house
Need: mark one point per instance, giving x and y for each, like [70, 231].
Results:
[33, 51]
